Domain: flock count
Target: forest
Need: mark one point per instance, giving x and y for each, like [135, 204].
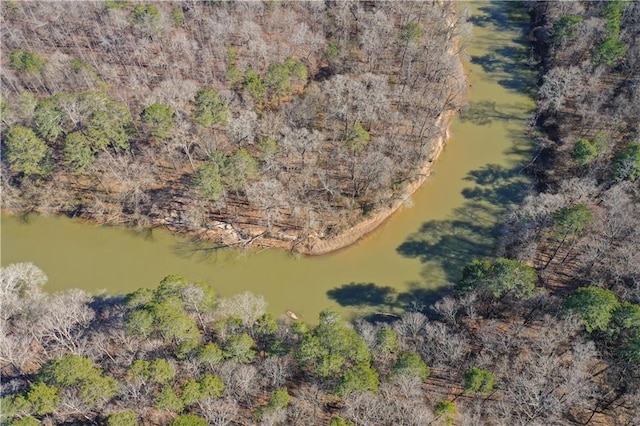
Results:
[262, 122]
[545, 332]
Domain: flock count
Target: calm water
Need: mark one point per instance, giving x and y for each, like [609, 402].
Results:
[410, 257]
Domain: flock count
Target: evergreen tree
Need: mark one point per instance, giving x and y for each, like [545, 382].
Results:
[26, 152]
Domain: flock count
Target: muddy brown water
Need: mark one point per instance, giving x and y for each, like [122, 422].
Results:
[408, 260]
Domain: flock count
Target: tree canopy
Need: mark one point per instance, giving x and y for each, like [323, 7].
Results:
[26, 152]
[595, 305]
[159, 120]
[584, 151]
[211, 108]
[478, 380]
[330, 346]
[627, 164]
[571, 221]
[78, 153]
[411, 363]
[500, 278]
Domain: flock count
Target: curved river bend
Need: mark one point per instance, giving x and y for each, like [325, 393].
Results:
[415, 253]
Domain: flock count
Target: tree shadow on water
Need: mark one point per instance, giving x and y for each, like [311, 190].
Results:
[200, 250]
[500, 15]
[383, 303]
[211, 252]
[446, 246]
[497, 186]
[360, 295]
[485, 112]
[506, 64]
[508, 67]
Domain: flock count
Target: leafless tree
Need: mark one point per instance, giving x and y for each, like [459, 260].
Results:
[411, 325]
[270, 198]
[243, 383]
[19, 283]
[246, 306]
[16, 353]
[276, 370]
[448, 309]
[559, 84]
[443, 347]
[219, 412]
[364, 409]
[63, 320]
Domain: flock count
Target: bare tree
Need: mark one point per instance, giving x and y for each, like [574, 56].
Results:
[411, 325]
[559, 84]
[448, 309]
[219, 412]
[443, 347]
[364, 409]
[19, 283]
[270, 199]
[246, 306]
[277, 370]
[63, 320]
[243, 384]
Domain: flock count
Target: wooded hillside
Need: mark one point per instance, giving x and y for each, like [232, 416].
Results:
[549, 334]
[179, 355]
[581, 230]
[282, 120]
[583, 224]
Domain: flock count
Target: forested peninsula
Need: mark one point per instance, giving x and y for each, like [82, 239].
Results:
[246, 123]
[547, 332]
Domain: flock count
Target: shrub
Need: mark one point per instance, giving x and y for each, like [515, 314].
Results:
[609, 52]
[123, 418]
[189, 420]
[177, 15]
[566, 26]
[444, 408]
[145, 12]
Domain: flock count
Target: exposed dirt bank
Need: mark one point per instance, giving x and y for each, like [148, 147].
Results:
[317, 246]
[314, 244]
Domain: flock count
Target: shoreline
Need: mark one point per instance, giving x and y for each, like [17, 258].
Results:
[318, 246]
[310, 245]
[225, 236]
[362, 229]
[369, 225]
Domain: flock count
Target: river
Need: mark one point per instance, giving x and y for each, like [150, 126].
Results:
[409, 260]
